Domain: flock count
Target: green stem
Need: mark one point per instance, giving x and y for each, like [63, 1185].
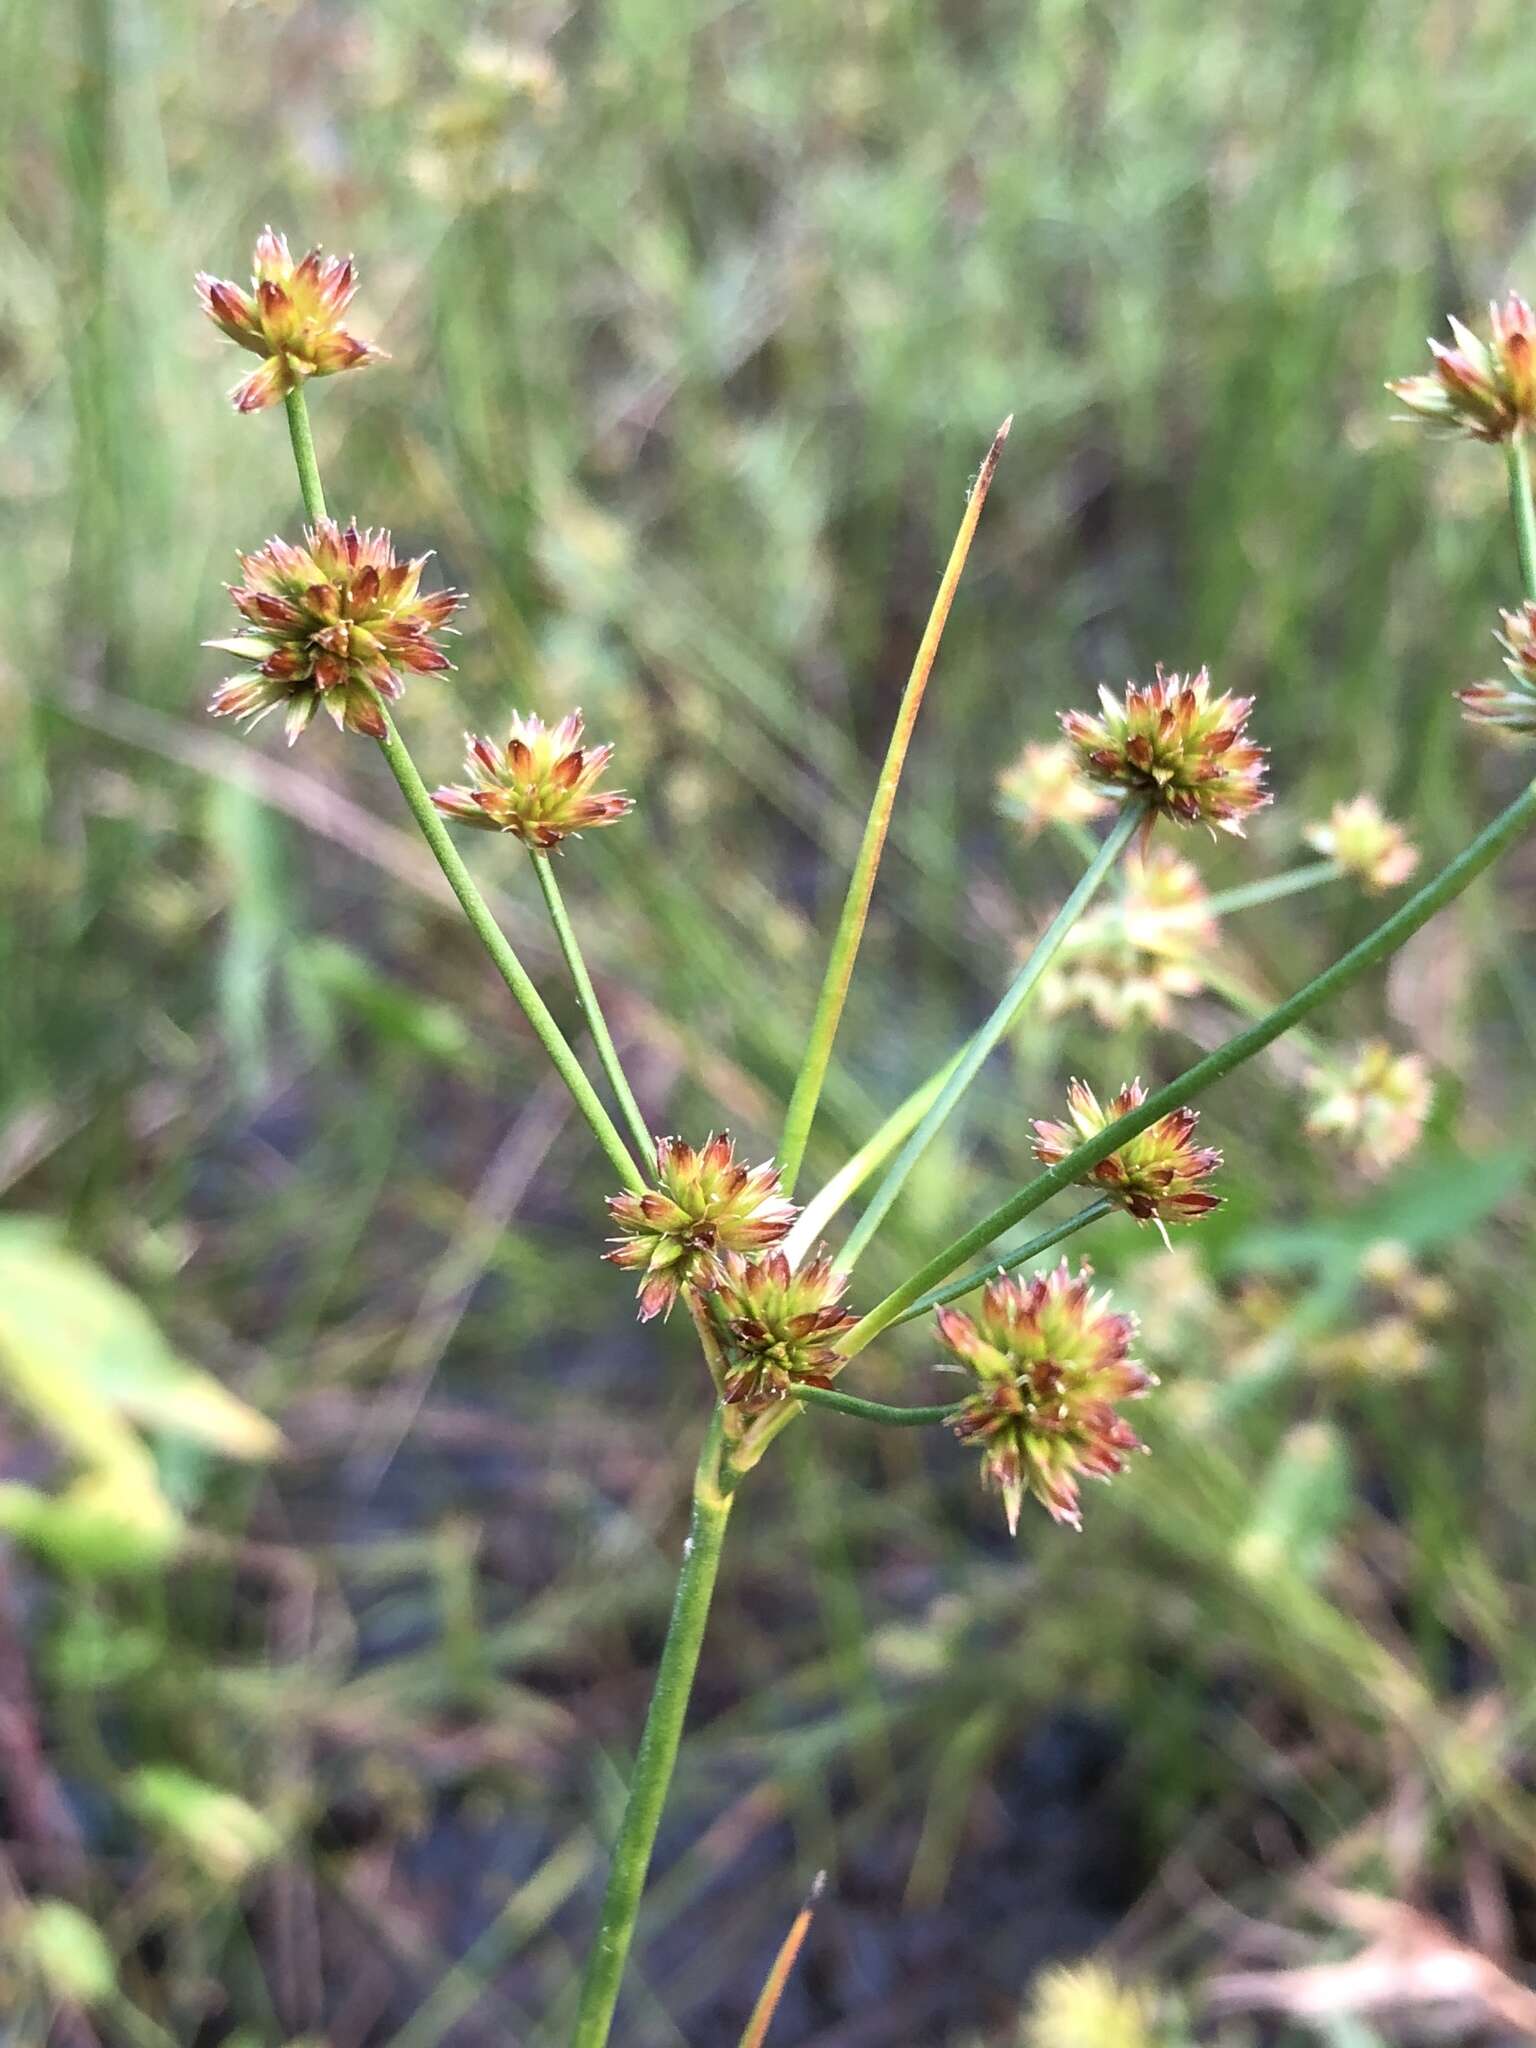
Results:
[471, 902]
[304, 454]
[875, 1411]
[503, 959]
[1248, 1002]
[1520, 503]
[1251, 894]
[586, 995]
[801, 1113]
[657, 1754]
[1380, 945]
[871, 1155]
[1010, 1260]
[992, 1032]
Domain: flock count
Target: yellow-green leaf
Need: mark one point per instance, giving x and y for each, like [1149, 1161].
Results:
[85, 1359]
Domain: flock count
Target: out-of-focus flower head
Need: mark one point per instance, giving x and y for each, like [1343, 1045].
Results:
[1085, 2006]
[704, 1204]
[1046, 786]
[1508, 708]
[1156, 1176]
[334, 622]
[1133, 956]
[1391, 1347]
[541, 786]
[1366, 844]
[292, 315]
[782, 1325]
[1181, 750]
[1388, 1266]
[1051, 1359]
[1484, 389]
[1376, 1103]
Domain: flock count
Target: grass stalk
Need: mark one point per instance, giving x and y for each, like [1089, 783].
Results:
[471, 902]
[992, 1032]
[806, 1094]
[1388, 936]
[1045, 1242]
[870, 1157]
[304, 461]
[586, 995]
[503, 958]
[1521, 505]
[1272, 888]
[875, 1411]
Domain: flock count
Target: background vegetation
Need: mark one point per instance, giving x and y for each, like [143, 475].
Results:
[700, 316]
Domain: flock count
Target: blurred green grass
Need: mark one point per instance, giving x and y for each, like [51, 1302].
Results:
[700, 318]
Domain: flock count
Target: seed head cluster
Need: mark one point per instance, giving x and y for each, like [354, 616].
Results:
[1179, 749]
[1374, 1105]
[1483, 389]
[1158, 1176]
[781, 1324]
[291, 316]
[1149, 945]
[1506, 706]
[704, 1204]
[1050, 1360]
[1365, 844]
[335, 621]
[540, 786]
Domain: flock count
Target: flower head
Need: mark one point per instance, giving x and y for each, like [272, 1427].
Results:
[292, 316]
[332, 622]
[1366, 844]
[781, 1324]
[1155, 1176]
[1085, 2006]
[1051, 1360]
[1377, 1103]
[1046, 786]
[1177, 747]
[704, 1204]
[540, 786]
[1509, 707]
[1131, 957]
[1484, 389]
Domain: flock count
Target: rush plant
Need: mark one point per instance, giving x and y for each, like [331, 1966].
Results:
[332, 619]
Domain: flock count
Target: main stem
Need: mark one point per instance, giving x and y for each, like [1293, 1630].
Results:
[657, 1755]
[471, 902]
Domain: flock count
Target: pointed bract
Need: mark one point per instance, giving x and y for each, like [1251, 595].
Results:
[1051, 1360]
[703, 1205]
[336, 621]
[541, 786]
[292, 315]
[1169, 742]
